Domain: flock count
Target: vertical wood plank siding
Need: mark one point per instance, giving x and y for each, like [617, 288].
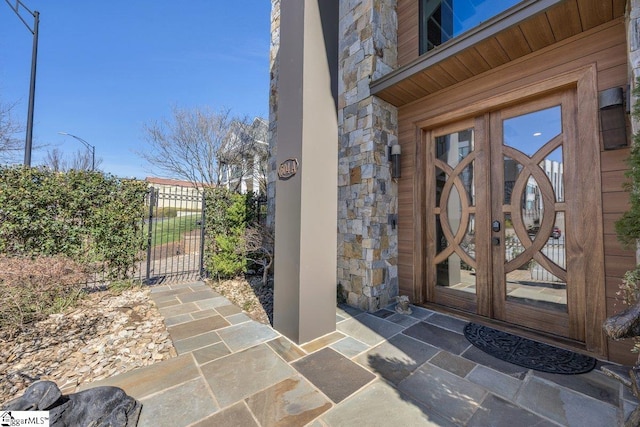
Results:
[408, 31]
[604, 46]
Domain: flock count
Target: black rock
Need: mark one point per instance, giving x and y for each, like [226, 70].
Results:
[99, 406]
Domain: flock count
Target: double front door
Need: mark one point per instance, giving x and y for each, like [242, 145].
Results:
[503, 219]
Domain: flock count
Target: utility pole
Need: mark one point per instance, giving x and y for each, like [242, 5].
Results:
[32, 86]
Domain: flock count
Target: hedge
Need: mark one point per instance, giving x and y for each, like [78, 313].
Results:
[89, 217]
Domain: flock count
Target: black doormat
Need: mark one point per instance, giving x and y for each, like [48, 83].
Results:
[527, 353]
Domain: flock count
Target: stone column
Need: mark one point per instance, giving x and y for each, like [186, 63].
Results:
[367, 196]
[306, 202]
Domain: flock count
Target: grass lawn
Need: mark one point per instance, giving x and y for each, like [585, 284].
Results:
[169, 230]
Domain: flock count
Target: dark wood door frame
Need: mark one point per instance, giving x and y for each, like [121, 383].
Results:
[590, 262]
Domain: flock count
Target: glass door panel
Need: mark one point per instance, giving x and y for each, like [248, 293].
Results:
[454, 211]
[535, 266]
[500, 239]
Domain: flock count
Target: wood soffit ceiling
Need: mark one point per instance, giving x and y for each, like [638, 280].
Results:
[524, 29]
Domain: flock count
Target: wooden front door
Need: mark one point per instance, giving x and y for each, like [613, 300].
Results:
[504, 214]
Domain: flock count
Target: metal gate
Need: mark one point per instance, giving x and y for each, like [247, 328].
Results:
[174, 229]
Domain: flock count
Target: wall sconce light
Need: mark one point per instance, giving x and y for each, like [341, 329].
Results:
[394, 157]
[613, 123]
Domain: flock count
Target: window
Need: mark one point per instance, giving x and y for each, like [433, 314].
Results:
[442, 20]
[236, 172]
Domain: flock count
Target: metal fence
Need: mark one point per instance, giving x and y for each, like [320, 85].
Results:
[554, 249]
[174, 231]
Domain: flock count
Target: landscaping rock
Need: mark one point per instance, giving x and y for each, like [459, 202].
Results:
[250, 295]
[104, 336]
[97, 407]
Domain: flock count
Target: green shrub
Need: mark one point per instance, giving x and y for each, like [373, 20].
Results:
[228, 260]
[227, 217]
[167, 212]
[89, 217]
[628, 226]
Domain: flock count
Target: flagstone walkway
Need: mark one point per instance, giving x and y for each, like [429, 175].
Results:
[376, 369]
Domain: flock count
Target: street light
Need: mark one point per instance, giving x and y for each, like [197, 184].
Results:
[86, 144]
[32, 85]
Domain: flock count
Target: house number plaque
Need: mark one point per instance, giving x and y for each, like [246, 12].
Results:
[288, 168]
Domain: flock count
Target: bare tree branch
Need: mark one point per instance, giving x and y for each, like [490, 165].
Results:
[10, 145]
[200, 145]
[54, 160]
[259, 246]
[81, 160]
[186, 145]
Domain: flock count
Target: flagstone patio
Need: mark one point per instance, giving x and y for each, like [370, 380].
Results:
[375, 370]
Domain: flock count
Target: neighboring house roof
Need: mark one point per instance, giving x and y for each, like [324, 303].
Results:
[174, 182]
[256, 131]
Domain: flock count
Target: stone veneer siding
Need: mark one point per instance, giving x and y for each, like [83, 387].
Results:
[633, 42]
[367, 242]
[272, 136]
[367, 196]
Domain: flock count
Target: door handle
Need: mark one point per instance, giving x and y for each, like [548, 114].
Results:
[495, 226]
[495, 241]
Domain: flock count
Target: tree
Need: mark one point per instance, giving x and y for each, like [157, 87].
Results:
[200, 145]
[81, 160]
[10, 146]
[54, 160]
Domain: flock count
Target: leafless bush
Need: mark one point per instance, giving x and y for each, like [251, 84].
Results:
[33, 288]
[258, 241]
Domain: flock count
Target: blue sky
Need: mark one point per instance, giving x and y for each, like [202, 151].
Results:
[469, 13]
[107, 67]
